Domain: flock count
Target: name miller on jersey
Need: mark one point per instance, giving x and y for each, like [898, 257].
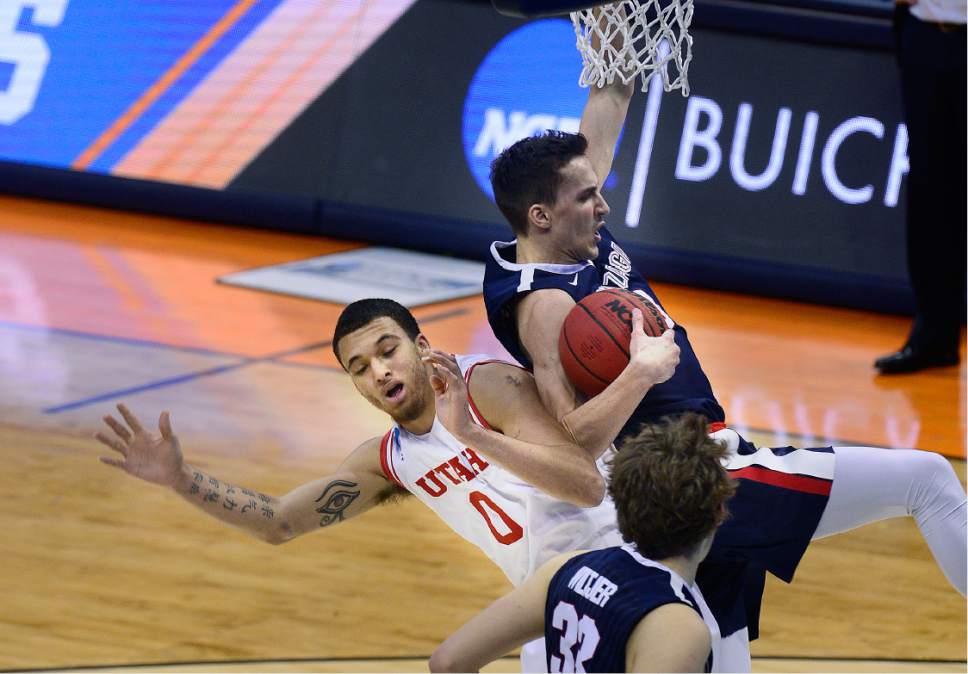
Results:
[454, 470]
[592, 586]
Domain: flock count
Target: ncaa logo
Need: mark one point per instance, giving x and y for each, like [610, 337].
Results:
[527, 84]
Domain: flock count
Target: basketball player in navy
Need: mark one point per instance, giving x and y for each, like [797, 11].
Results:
[549, 189]
[634, 608]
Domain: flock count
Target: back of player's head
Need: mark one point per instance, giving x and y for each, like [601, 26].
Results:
[529, 172]
[363, 312]
[669, 487]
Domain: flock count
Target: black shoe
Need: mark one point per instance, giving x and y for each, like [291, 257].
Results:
[910, 359]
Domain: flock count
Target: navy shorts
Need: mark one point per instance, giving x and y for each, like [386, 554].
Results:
[780, 497]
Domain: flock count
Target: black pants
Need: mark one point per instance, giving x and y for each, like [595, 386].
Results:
[932, 63]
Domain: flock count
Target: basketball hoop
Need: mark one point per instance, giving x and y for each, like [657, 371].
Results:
[635, 38]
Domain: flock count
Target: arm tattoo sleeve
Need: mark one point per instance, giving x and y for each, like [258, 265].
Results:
[335, 499]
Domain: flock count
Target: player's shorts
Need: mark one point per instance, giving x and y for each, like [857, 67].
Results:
[780, 497]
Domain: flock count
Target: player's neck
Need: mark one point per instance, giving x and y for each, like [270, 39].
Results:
[421, 425]
[684, 566]
[528, 251]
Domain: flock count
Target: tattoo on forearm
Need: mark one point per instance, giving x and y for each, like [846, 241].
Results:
[212, 493]
[336, 498]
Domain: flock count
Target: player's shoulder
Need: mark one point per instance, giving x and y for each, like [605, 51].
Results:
[546, 303]
[639, 575]
[494, 378]
[499, 263]
[692, 636]
[557, 564]
[473, 364]
[374, 444]
[367, 455]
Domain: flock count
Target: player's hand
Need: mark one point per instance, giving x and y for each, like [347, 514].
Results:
[656, 358]
[450, 392]
[145, 455]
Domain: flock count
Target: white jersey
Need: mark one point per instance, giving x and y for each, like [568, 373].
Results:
[512, 522]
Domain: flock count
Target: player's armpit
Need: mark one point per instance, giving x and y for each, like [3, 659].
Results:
[671, 638]
[355, 487]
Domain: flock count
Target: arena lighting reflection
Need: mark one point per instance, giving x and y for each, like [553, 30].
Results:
[895, 422]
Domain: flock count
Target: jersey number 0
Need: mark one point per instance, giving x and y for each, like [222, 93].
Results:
[509, 531]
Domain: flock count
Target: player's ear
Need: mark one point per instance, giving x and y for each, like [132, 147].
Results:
[539, 217]
[423, 344]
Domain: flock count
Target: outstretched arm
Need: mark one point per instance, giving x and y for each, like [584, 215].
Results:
[523, 437]
[596, 422]
[512, 620]
[355, 487]
[602, 120]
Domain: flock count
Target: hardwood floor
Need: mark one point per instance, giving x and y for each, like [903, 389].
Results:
[99, 306]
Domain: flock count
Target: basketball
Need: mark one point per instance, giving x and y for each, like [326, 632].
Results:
[594, 340]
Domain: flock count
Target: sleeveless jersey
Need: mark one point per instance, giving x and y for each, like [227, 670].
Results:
[506, 282]
[515, 524]
[595, 600]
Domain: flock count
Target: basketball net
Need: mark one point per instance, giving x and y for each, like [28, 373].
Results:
[635, 38]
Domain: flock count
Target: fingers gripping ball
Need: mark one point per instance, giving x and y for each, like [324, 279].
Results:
[594, 340]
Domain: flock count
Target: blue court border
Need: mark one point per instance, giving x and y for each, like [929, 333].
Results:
[244, 361]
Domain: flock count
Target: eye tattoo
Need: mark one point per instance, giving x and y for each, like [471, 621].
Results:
[336, 498]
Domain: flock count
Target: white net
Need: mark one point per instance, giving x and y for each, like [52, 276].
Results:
[635, 38]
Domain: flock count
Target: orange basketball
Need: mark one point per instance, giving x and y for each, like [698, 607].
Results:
[594, 340]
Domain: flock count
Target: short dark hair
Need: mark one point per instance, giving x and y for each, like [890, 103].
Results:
[529, 172]
[362, 312]
[669, 487]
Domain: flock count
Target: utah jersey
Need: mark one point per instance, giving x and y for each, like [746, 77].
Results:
[595, 601]
[512, 522]
[506, 282]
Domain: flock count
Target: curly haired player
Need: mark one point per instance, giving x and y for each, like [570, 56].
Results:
[634, 608]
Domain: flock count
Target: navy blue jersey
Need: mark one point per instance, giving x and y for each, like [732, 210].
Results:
[596, 599]
[506, 282]
[773, 515]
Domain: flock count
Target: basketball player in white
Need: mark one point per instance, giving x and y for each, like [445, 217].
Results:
[471, 439]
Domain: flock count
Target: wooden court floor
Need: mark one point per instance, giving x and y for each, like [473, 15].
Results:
[102, 571]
